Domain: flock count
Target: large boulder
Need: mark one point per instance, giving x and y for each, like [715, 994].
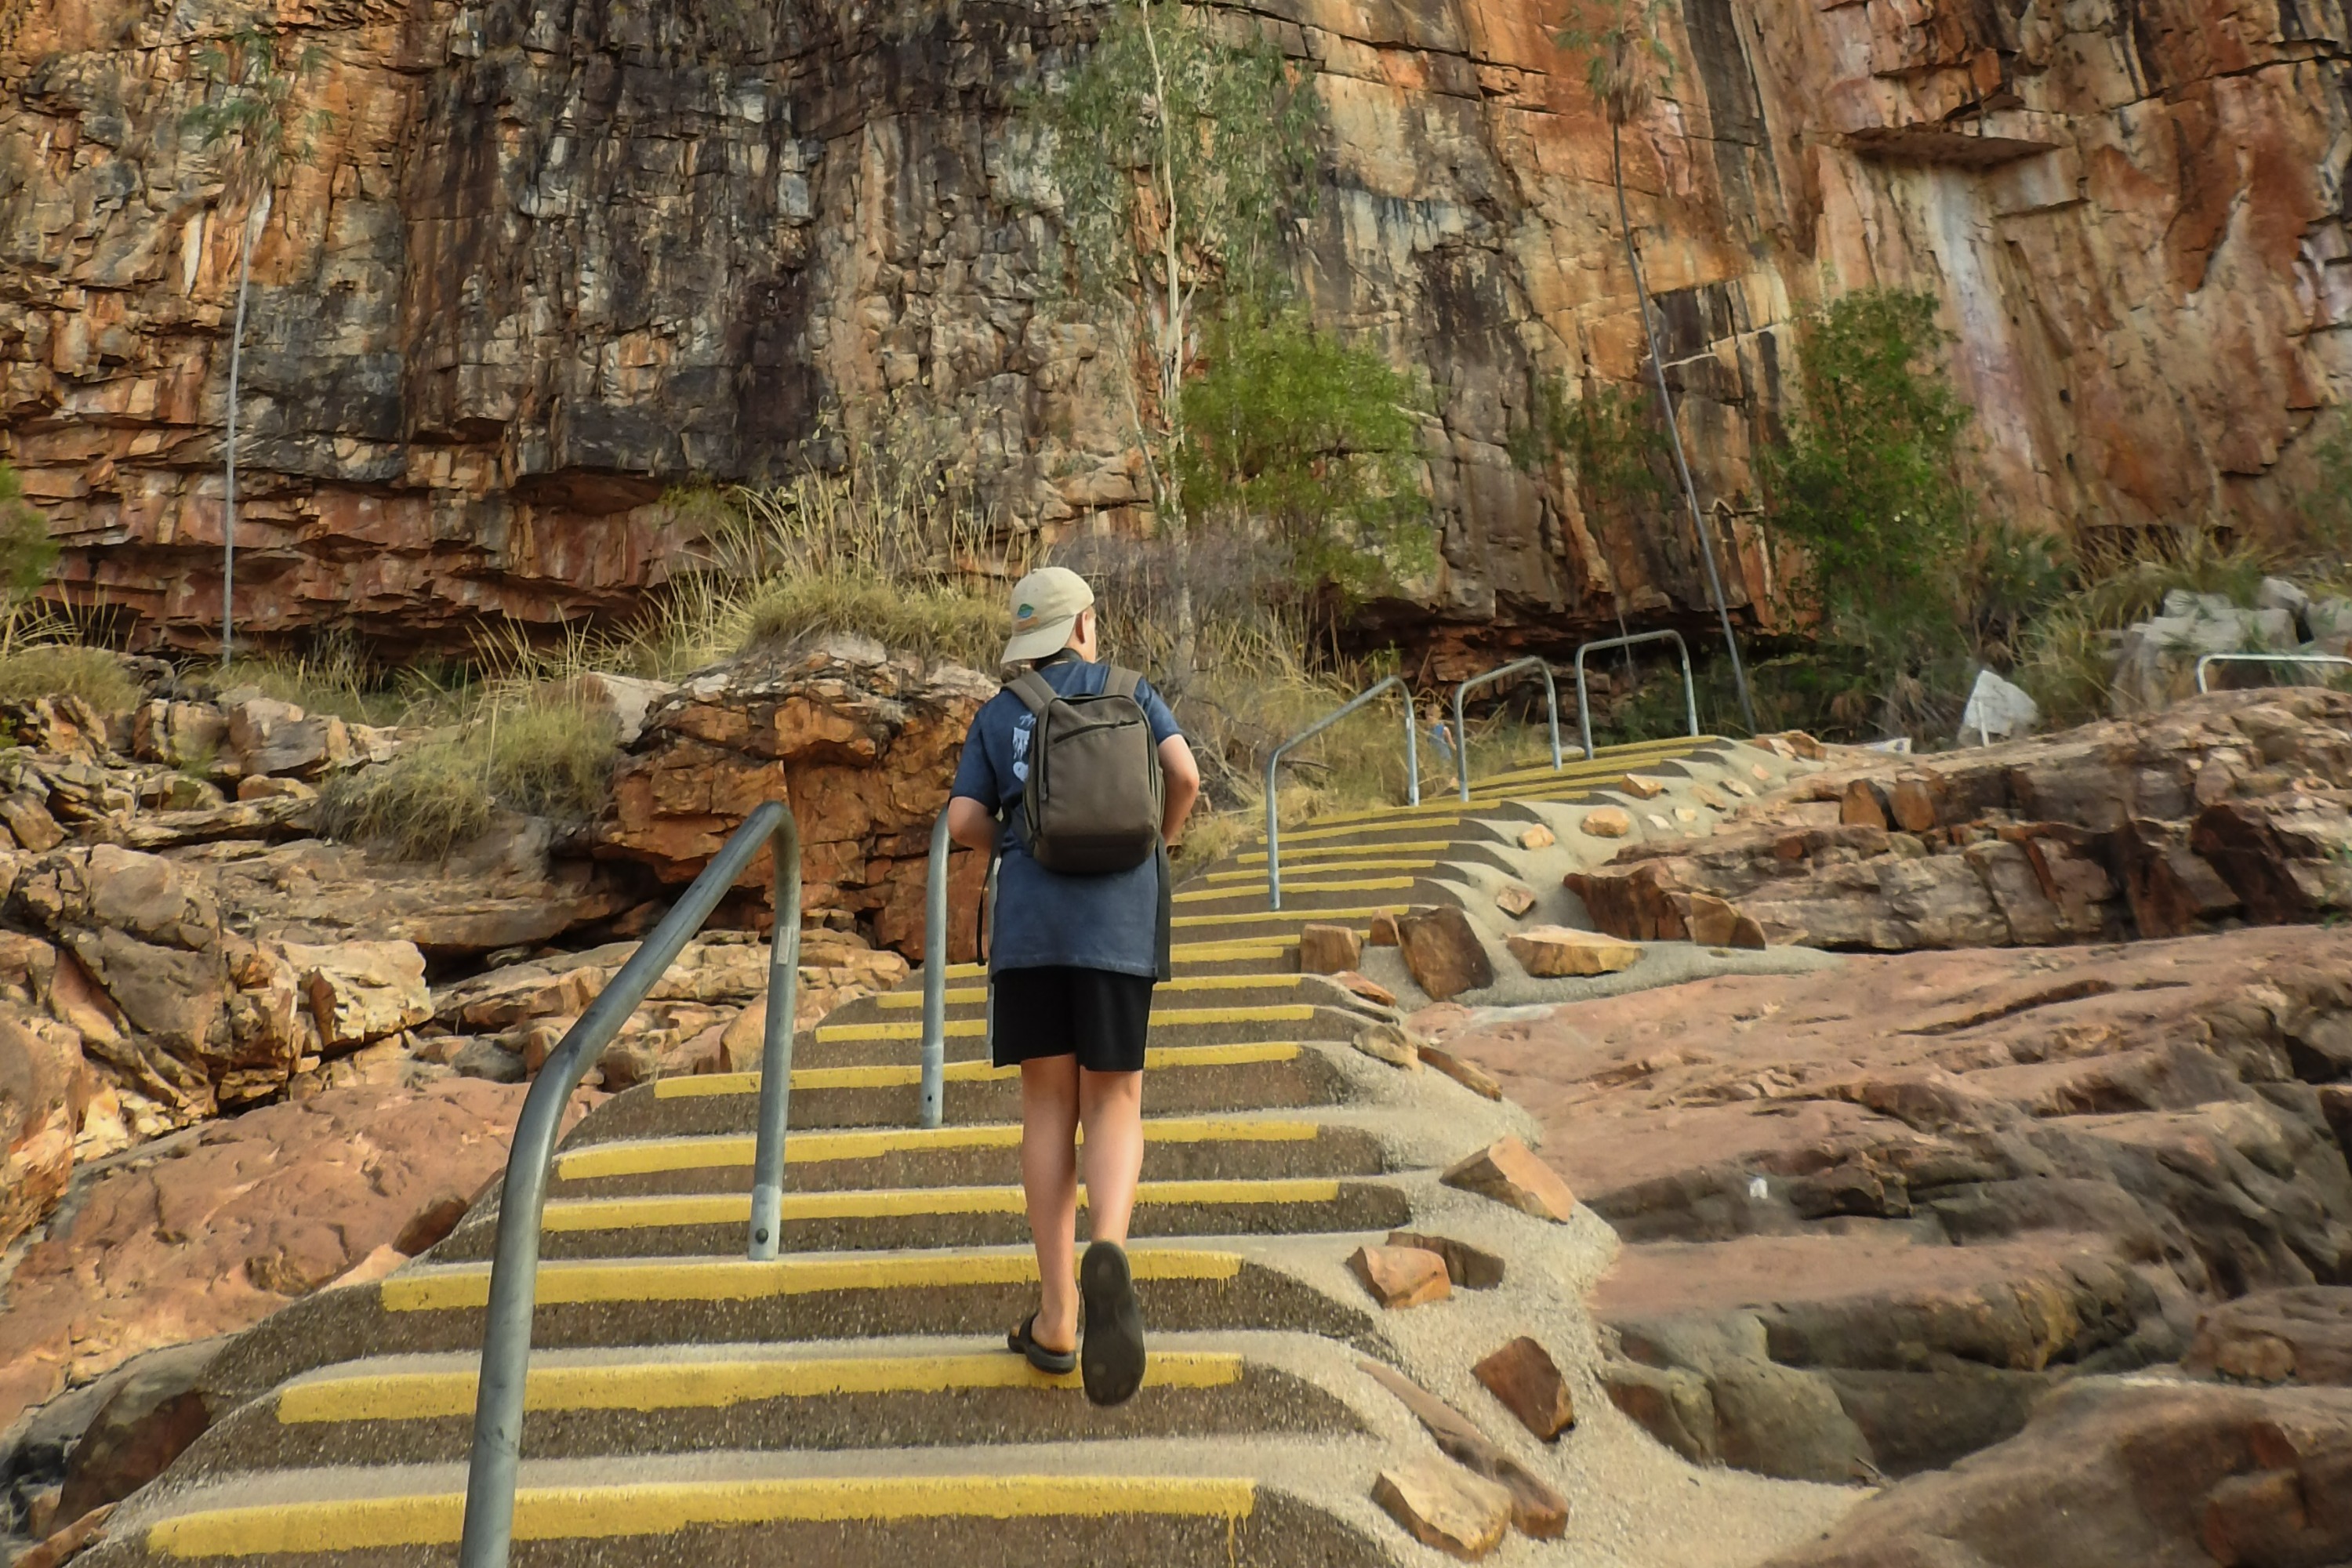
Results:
[219, 1232]
[2112, 1475]
[859, 742]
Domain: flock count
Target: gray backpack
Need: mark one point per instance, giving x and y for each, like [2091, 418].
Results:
[1092, 802]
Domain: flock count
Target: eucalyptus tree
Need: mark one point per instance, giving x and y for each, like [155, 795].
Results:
[1625, 60]
[251, 120]
[1177, 147]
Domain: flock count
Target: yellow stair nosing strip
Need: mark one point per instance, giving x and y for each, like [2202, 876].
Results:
[712, 1384]
[461, 1286]
[647, 1156]
[657, 1210]
[1164, 1017]
[912, 997]
[1243, 916]
[971, 1070]
[661, 1508]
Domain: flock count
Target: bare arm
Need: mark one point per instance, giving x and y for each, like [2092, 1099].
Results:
[1182, 774]
[971, 824]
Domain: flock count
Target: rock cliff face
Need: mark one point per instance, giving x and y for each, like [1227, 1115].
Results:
[552, 257]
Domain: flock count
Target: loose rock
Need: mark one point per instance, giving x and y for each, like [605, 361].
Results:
[1509, 1171]
[1443, 1505]
[1383, 932]
[1606, 822]
[1365, 986]
[1470, 1268]
[1523, 1375]
[1441, 951]
[1640, 786]
[1515, 900]
[1537, 836]
[1401, 1276]
[1536, 1508]
[1552, 951]
[1325, 949]
[1462, 1070]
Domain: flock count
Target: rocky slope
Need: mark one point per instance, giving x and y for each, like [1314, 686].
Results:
[551, 259]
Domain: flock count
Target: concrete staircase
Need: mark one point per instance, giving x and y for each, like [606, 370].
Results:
[852, 1403]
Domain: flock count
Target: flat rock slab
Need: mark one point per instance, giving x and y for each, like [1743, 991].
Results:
[1874, 1212]
[2126, 1476]
[2300, 1335]
[1549, 951]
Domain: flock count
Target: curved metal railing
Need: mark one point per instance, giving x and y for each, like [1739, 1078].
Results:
[1584, 705]
[932, 1099]
[1411, 768]
[2264, 659]
[1462, 736]
[514, 1267]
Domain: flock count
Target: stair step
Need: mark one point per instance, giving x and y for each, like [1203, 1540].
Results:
[910, 993]
[1247, 921]
[1180, 1148]
[834, 1396]
[696, 1224]
[1161, 1019]
[968, 1291]
[1182, 1081]
[755, 1510]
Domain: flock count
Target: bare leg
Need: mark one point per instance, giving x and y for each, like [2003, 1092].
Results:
[1049, 1178]
[1112, 1105]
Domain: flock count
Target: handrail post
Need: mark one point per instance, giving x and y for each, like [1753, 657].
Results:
[932, 1103]
[1584, 701]
[2211, 659]
[1411, 767]
[497, 1452]
[1461, 738]
[776, 1047]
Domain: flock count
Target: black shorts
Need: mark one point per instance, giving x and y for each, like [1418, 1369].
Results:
[1096, 1015]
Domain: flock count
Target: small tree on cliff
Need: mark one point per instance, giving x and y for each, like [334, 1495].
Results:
[27, 553]
[1624, 61]
[251, 122]
[1176, 153]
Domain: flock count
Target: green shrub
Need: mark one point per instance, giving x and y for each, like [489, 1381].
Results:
[1313, 440]
[27, 552]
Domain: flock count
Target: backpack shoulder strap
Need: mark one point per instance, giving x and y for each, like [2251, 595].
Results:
[1035, 692]
[1121, 683]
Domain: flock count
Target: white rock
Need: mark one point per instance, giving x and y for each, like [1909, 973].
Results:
[2278, 593]
[1997, 710]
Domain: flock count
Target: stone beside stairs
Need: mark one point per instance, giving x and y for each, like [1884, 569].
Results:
[851, 1403]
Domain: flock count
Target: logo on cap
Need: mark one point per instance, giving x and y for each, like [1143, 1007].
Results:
[1026, 614]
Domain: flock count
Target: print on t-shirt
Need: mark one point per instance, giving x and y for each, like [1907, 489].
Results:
[1021, 746]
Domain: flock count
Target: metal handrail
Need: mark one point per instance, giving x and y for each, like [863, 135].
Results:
[1411, 768]
[1461, 737]
[514, 1269]
[932, 1101]
[2264, 659]
[1584, 705]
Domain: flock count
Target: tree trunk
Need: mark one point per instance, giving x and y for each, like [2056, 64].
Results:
[1674, 429]
[253, 223]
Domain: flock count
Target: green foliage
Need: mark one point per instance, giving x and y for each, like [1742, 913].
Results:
[27, 552]
[1611, 440]
[1215, 128]
[1316, 440]
[1625, 57]
[2327, 506]
[250, 115]
[552, 755]
[431, 798]
[1867, 483]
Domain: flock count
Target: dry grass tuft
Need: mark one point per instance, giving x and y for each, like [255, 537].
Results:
[60, 670]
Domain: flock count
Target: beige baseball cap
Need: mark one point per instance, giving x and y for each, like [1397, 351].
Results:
[1046, 604]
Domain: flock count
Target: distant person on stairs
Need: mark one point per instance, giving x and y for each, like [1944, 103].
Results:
[1077, 773]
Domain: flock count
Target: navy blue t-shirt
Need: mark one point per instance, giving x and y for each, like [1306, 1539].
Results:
[1044, 918]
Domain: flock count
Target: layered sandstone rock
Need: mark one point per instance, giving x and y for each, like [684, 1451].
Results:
[457, 401]
[2233, 807]
[858, 742]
